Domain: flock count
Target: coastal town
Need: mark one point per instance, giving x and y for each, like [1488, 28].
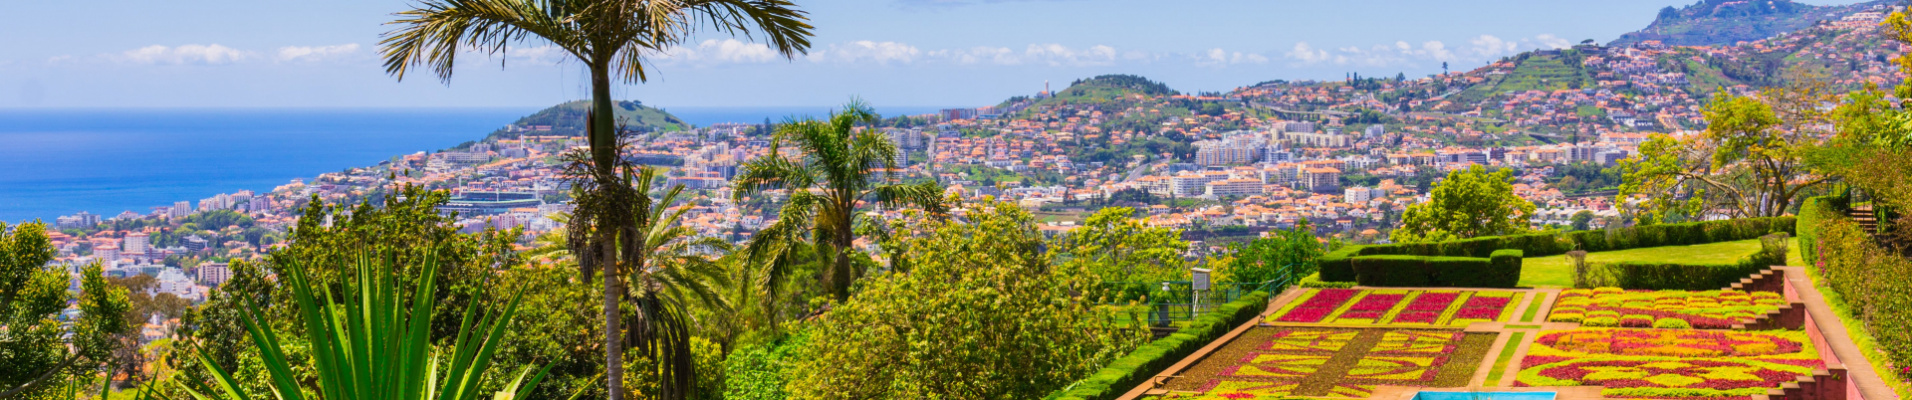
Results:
[1346, 156]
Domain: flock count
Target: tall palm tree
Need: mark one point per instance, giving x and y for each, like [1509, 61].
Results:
[611, 37]
[827, 178]
[632, 235]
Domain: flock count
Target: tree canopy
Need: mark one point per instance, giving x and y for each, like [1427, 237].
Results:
[1469, 203]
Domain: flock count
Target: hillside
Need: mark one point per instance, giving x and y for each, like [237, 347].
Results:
[568, 119]
[1543, 70]
[1725, 22]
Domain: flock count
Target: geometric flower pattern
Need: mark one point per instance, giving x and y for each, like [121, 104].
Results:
[1669, 363]
[1399, 307]
[1346, 363]
[1713, 309]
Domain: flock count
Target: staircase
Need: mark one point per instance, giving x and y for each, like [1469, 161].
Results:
[1866, 217]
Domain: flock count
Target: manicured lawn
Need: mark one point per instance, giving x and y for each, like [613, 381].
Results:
[1555, 271]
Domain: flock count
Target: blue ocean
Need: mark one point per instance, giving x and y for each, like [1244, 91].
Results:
[105, 161]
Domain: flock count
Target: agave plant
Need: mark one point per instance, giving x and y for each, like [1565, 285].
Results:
[369, 346]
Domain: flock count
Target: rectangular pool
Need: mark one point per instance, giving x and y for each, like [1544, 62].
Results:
[1484, 396]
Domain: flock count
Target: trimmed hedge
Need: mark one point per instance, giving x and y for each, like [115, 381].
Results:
[1813, 213]
[1338, 265]
[1657, 276]
[1144, 362]
[1501, 270]
[1706, 276]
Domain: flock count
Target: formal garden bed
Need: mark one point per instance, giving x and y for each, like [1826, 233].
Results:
[1674, 309]
[1669, 363]
[1273, 362]
[1399, 307]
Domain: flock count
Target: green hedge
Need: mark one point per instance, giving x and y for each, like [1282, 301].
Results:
[1657, 276]
[1338, 265]
[1813, 213]
[1502, 270]
[1138, 366]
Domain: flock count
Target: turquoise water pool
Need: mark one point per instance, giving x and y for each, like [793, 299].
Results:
[1484, 396]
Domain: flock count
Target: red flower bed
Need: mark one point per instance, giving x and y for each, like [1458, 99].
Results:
[1323, 303]
[1362, 315]
[1478, 313]
[1580, 371]
[1481, 302]
[1377, 302]
[1417, 317]
[1305, 315]
[1436, 302]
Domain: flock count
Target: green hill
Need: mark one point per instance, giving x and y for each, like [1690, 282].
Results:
[1105, 88]
[568, 119]
[1547, 70]
[1725, 22]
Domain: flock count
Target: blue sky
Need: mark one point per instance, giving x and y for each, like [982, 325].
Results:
[232, 53]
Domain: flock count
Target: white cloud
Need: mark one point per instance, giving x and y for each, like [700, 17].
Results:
[1552, 42]
[316, 53]
[865, 51]
[1489, 46]
[193, 54]
[1404, 54]
[1052, 54]
[1217, 57]
[1308, 54]
[978, 55]
[1057, 55]
[710, 52]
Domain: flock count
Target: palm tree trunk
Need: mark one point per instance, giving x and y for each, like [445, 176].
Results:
[603, 131]
[603, 140]
[613, 343]
[840, 270]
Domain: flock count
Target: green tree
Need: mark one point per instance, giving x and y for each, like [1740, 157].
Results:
[1022, 332]
[1469, 203]
[827, 181]
[36, 348]
[1582, 220]
[611, 38]
[1292, 251]
[1120, 249]
[1751, 160]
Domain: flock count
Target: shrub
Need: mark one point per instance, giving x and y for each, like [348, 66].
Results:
[1636, 321]
[1601, 322]
[1314, 281]
[1566, 317]
[1130, 370]
[1392, 270]
[1663, 276]
[1671, 323]
[1337, 266]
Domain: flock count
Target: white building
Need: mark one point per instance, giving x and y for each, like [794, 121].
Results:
[1234, 187]
[136, 243]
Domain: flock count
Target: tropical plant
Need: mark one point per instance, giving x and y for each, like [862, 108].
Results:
[627, 233]
[612, 39]
[37, 349]
[370, 342]
[838, 165]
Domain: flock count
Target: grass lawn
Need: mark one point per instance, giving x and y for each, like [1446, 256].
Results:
[1554, 270]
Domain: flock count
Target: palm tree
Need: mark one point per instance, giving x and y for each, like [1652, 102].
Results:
[827, 179]
[611, 37]
[629, 233]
